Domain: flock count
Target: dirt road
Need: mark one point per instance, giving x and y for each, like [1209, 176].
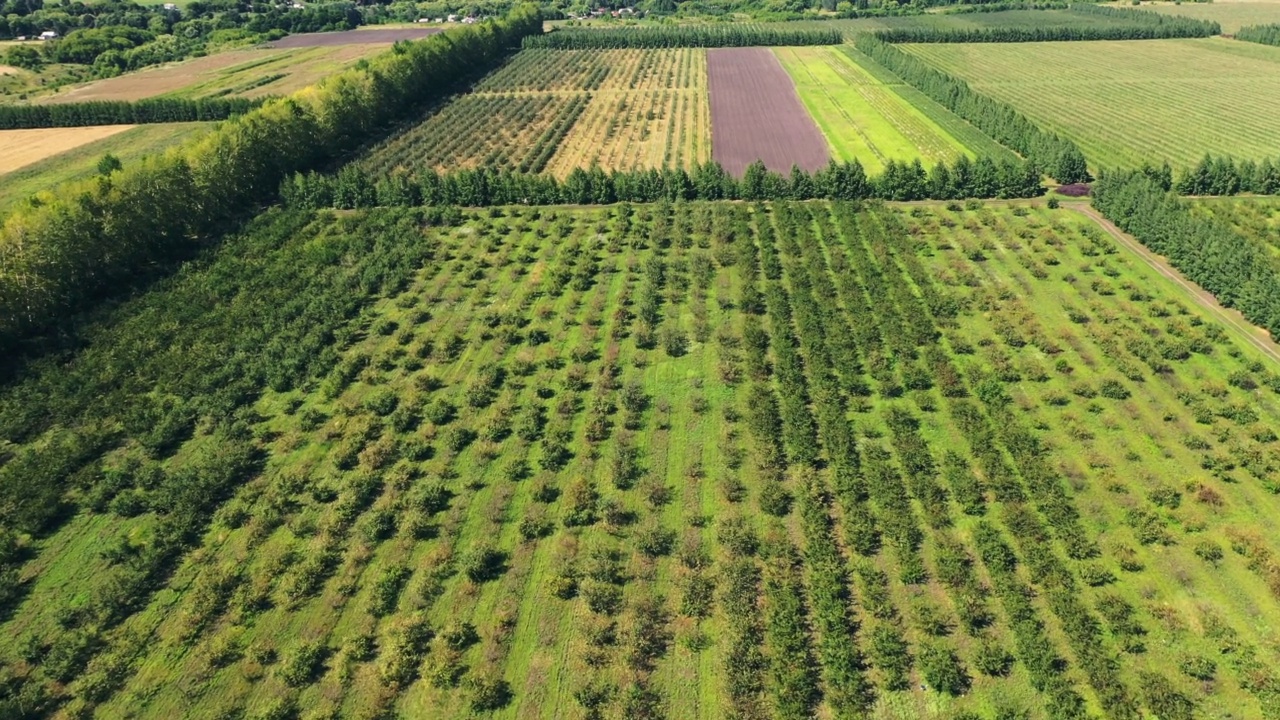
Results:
[1255, 335]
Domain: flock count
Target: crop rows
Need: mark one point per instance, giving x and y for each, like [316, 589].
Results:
[1254, 218]
[516, 132]
[557, 110]
[1126, 103]
[774, 460]
[652, 113]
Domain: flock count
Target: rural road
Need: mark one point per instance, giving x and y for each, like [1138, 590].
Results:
[1255, 335]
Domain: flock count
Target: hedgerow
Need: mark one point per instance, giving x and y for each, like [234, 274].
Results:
[727, 35]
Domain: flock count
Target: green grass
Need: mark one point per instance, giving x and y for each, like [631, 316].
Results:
[861, 117]
[1230, 15]
[82, 162]
[864, 311]
[1129, 102]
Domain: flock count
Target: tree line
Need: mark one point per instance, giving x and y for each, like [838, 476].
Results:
[1057, 156]
[728, 35]
[1225, 176]
[85, 239]
[1261, 34]
[353, 187]
[1239, 272]
[123, 112]
[1116, 24]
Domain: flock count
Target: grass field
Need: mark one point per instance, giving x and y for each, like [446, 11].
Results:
[251, 72]
[861, 117]
[698, 460]
[556, 110]
[1125, 103]
[1230, 15]
[81, 160]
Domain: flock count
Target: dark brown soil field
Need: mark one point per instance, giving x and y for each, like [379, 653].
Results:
[757, 115]
[353, 37]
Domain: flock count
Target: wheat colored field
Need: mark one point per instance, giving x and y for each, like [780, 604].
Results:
[19, 148]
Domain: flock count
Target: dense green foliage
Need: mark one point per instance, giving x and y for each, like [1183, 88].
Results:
[354, 187]
[1226, 176]
[1124, 24]
[96, 236]
[122, 112]
[674, 36]
[1239, 272]
[1057, 156]
[1262, 34]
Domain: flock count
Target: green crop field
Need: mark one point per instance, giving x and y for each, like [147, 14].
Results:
[1230, 15]
[82, 162]
[861, 117]
[1128, 102]
[961, 21]
[690, 460]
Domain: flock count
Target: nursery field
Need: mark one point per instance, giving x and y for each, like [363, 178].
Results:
[556, 110]
[961, 21]
[1257, 218]
[861, 117]
[1129, 102]
[79, 152]
[694, 460]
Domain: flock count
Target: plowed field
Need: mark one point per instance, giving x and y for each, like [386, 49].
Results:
[757, 115]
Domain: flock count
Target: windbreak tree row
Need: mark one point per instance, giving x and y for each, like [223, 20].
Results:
[729, 35]
[1261, 34]
[1225, 176]
[123, 112]
[1239, 272]
[95, 236]
[1056, 156]
[1115, 24]
[353, 187]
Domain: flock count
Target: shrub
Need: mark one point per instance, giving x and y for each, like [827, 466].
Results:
[774, 498]
[655, 540]
[483, 563]
[302, 667]
[488, 693]
[992, 659]
[381, 401]
[942, 669]
[1209, 551]
[602, 598]
[1200, 668]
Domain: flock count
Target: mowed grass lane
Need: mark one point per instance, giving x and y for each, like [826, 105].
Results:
[861, 117]
[1129, 102]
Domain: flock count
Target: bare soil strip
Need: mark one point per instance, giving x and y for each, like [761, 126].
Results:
[756, 114]
[1255, 335]
[353, 37]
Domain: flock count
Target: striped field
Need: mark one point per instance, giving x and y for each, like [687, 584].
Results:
[861, 117]
[1126, 102]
